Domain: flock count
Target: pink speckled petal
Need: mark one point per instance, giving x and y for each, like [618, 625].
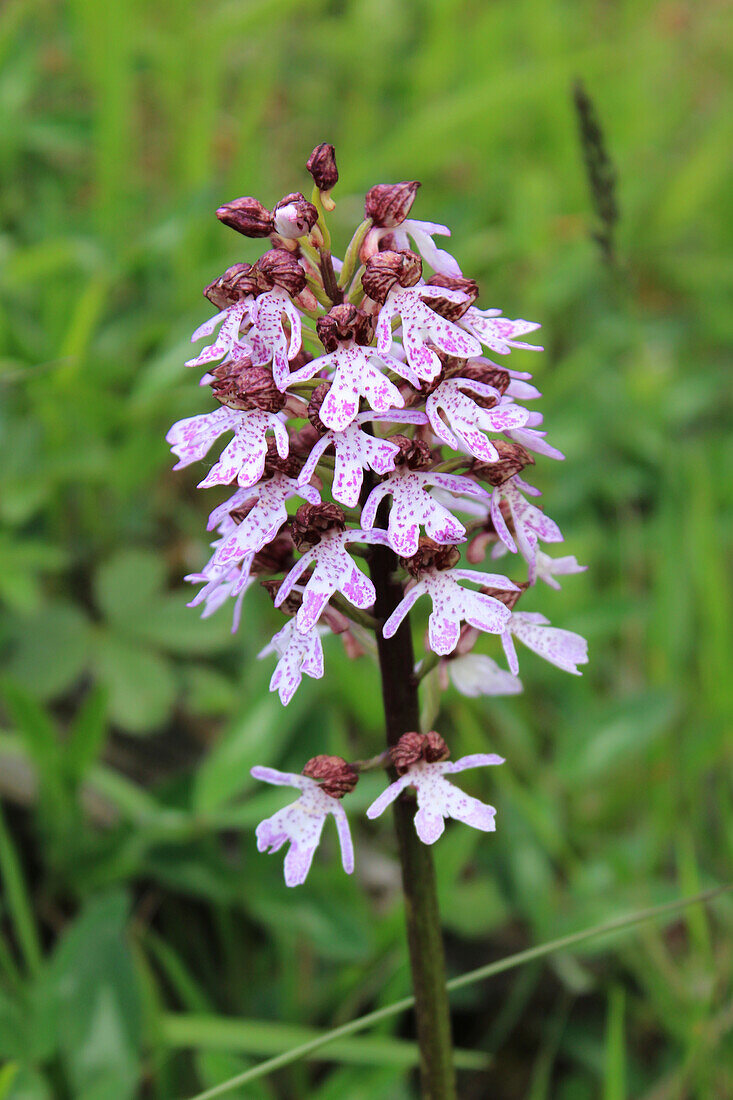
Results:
[358, 589]
[387, 797]
[344, 834]
[562, 648]
[429, 825]
[278, 778]
[499, 522]
[511, 654]
[475, 760]
[392, 624]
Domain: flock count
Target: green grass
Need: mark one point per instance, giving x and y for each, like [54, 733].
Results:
[132, 894]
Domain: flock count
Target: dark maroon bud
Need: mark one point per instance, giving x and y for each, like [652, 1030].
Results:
[430, 555]
[241, 386]
[314, 407]
[247, 215]
[276, 557]
[415, 454]
[480, 372]
[344, 322]
[274, 464]
[292, 601]
[512, 460]
[335, 775]
[414, 747]
[312, 521]
[388, 204]
[509, 599]
[322, 166]
[294, 216]
[384, 270]
[280, 268]
[236, 283]
[452, 311]
[303, 441]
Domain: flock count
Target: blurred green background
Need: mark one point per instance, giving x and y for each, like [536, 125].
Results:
[145, 948]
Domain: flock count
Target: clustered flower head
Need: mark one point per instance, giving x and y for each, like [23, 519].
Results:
[361, 408]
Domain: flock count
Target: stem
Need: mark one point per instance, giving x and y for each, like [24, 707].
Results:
[427, 960]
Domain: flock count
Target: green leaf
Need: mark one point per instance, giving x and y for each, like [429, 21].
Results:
[125, 585]
[50, 649]
[87, 734]
[167, 622]
[269, 1037]
[28, 1084]
[99, 1021]
[614, 1078]
[142, 688]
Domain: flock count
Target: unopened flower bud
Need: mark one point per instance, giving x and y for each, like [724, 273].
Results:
[453, 311]
[509, 599]
[512, 459]
[303, 441]
[280, 268]
[385, 269]
[312, 521]
[242, 386]
[236, 283]
[247, 215]
[314, 407]
[322, 166]
[482, 372]
[415, 454]
[415, 747]
[344, 322]
[276, 557]
[274, 464]
[336, 776]
[431, 555]
[292, 602]
[294, 216]
[388, 204]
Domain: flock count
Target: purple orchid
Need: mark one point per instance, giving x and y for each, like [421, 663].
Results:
[264, 519]
[229, 321]
[357, 372]
[334, 571]
[243, 458]
[356, 451]
[422, 326]
[530, 523]
[266, 313]
[438, 799]
[413, 507]
[467, 421]
[496, 332]
[453, 604]
[562, 648]
[298, 653]
[301, 823]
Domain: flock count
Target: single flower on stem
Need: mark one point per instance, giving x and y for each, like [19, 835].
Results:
[452, 604]
[334, 570]
[420, 760]
[298, 653]
[301, 823]
[387, 206]
[562, 648]
[496, 332]
[355, 450]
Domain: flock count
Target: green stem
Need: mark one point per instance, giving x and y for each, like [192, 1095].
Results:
[424, 939]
